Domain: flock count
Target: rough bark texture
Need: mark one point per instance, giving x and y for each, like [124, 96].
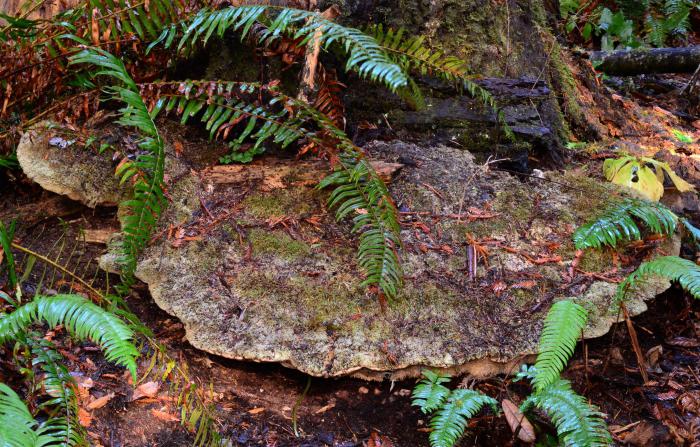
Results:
[654, 60]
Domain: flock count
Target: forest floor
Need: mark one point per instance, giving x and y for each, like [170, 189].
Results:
[260, 404]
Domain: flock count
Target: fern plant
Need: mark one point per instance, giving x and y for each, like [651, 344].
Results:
[143, 210]
[617, 224]
[562, 329]
[578, 424]
[81, 318]
[413, 55]
[674, 268]
[451, 409]
[18, 428]
[365, 56]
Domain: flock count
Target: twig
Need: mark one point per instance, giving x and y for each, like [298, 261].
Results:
[635, 344]
[297, 404]
[693, 82]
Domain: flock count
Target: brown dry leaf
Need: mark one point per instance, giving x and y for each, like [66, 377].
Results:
[148, 389]
[84, 417]
[325, 408]
[690, 402]
[100, 402]
[654, 355]
[518, 422]
[376, 440]
[256, 410]
[179, 148]
[164, 416]
[498, 287]
[642, 435]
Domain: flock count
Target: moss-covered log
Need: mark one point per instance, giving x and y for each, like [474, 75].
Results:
[642, 61]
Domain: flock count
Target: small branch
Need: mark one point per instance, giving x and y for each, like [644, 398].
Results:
[635, 344]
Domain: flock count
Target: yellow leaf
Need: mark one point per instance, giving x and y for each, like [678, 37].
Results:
[648, 184]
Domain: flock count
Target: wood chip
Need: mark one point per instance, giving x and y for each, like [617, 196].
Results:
[100, 402]
[97, 235]
[256, 410]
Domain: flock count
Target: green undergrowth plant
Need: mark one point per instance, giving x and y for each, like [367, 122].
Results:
[90, 40]
[629, 23]
[84, 321]
[105, 319]
[21, 330]
[619, 224]
[578, 424]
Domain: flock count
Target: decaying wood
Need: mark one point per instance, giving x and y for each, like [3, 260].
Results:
[307, 86]
[272, 175]
[97, 235]
[642, 61]
[55, 206]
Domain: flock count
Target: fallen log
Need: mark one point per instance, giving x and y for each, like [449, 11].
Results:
[643, 61]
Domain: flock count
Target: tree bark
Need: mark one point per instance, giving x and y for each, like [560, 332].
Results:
[655, 60]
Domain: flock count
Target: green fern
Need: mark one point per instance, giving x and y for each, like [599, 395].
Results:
[685, 272]
[18, 428]
[617, 224]
[450, 420]
[452, 409]
[578, 423]
[6, 235]
[8, 161]
[358, 191]
[118, 18]
[60, 386]
[143, 210]
[365, 56]
[562, 329]
[81, 318]
[413, 55]
[430, 393]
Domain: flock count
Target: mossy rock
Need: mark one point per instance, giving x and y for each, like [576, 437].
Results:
[266, 274]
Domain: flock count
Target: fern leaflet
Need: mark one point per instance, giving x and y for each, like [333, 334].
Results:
[562, 329]
[430, 393]
[451, 419]
[80, 317]
[674, 268]
[358, 191]
[616, 224]
[59, 384]
[578, 424]
[365, 55]
[17, 426]
[147, 169]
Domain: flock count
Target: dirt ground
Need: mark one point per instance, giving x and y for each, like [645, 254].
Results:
[255, 402]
